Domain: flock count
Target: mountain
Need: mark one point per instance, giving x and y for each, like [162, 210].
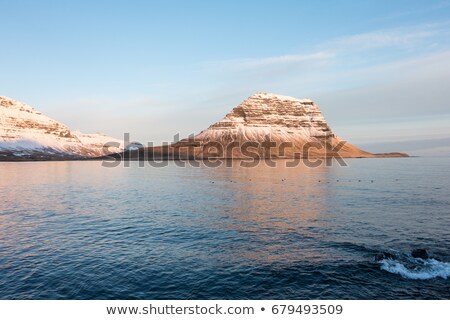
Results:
[264, 125]
[27, 134]
[294, 128]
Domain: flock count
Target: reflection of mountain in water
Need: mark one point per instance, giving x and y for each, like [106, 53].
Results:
[271, 199]
[83, 231]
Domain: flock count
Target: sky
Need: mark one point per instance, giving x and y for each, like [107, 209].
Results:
[379, 70]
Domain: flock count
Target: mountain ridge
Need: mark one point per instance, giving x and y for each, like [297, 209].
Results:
[290, 127]
[295, 128]
[27, 134]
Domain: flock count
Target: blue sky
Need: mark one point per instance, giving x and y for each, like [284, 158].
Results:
[380, 70]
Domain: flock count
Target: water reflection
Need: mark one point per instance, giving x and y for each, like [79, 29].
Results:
[77, 229]
[273, 206]
[261, 206]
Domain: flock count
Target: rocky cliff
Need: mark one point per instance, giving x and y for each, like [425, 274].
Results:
[291, 127]
[264, 125]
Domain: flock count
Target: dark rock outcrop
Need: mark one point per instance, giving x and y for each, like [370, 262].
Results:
[420, 253]
[383, 256]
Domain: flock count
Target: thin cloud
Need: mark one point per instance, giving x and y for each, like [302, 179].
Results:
[283, 60]
[382, 39]
[331, 52]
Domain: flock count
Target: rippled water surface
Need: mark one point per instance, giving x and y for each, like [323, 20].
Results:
[77, 230]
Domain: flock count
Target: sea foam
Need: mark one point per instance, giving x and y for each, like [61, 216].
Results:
[419, 269]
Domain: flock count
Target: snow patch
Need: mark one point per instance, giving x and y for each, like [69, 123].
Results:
[266, 95]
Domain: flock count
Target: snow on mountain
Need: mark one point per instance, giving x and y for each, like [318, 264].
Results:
[265, 125]
[267, 113]
[27, 133]
[280, 118]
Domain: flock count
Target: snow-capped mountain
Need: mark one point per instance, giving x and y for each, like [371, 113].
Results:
[26, 133]
[283, 117]
[280, 119]
[264, 125]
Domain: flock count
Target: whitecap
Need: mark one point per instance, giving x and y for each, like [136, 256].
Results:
[420, 270]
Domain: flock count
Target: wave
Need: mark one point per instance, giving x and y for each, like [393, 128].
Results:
[417, 269]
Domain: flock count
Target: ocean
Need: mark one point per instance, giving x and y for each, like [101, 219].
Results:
[78, 230]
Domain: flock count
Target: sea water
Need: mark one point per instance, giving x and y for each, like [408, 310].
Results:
[78, 230]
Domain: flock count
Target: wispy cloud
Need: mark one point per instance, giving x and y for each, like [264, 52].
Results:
[327, 52]
[276, 61]
[382, 39]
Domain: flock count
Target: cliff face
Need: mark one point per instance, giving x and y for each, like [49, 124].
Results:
[261, 114]
[25, 133]
[294, 127]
